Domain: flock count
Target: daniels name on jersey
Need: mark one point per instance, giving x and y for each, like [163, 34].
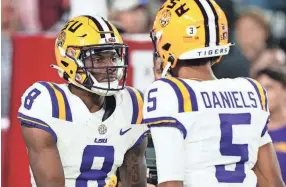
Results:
[222, 123]
[90, 150]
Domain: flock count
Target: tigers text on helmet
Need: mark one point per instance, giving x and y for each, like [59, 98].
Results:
[189, 29]
[90, 54]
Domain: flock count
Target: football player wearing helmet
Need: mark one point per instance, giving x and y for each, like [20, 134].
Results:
[206, 131]
[78, 134]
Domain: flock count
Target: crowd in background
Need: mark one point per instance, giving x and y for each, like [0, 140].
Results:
[257, 27]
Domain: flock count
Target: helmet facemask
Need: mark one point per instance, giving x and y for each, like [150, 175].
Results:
[102, 69]
[165, 69]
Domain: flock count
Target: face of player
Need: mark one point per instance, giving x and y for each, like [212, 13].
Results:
[156, 69]
[101, 65]
[275, 91]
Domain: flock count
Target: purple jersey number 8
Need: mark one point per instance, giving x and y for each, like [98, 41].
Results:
[29, 100]
[99, 175]
[227, 148]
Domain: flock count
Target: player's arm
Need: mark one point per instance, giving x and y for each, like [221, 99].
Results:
[267, 167]
[160, 105]
[133, 169]
[44, 157]
[169, 147]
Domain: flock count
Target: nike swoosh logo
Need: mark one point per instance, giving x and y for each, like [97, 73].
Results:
[123, 132]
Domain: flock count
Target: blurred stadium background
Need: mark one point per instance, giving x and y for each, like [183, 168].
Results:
[29, 27]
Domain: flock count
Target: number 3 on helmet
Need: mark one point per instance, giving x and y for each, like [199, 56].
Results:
[189, 29]
[90, 54]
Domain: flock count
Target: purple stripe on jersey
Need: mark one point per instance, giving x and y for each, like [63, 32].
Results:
[192, 94]
[265, 127]
[266, 100]
[176, 124]
[256, 89]
[141, 138]
[54, 100]
[134, 104]
[67, 106]
[279, 141]
[178, 93]
[36, 123]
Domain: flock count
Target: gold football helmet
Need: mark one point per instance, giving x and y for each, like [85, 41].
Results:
[90, 54]
[189, 29]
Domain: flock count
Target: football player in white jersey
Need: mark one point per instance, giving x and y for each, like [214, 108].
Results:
[206, 131]
[79, 134]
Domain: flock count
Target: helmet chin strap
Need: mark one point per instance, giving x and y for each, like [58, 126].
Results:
[166, 69]
[62, 51]
[60, 70]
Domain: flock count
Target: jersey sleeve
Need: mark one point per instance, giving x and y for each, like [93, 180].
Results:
[169, 145]
[161, 106]
[262, 98]
[133, 105]
[261, 94]
[265, 137]
[137, 133]
[36, 108]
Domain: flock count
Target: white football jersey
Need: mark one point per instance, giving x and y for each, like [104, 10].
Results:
[90, 150]
[222, 124]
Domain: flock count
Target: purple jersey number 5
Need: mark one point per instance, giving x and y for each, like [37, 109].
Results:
[152, 100]
[227, 148]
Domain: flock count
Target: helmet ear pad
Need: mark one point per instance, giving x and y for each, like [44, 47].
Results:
[70, 67]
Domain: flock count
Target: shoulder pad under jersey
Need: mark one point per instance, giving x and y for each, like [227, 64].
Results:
[132, 104]
[169, 96]
[261, 93]
[42, 103]
[164, 99]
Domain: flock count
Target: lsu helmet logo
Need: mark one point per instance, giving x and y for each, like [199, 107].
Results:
[61, 39]
[110, 40]
[166, 16]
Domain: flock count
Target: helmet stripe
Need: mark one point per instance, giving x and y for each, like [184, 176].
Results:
[206, 23]
[216, 22]
[211, 21]
[98, 25]
[105, 27]
[109, 27]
